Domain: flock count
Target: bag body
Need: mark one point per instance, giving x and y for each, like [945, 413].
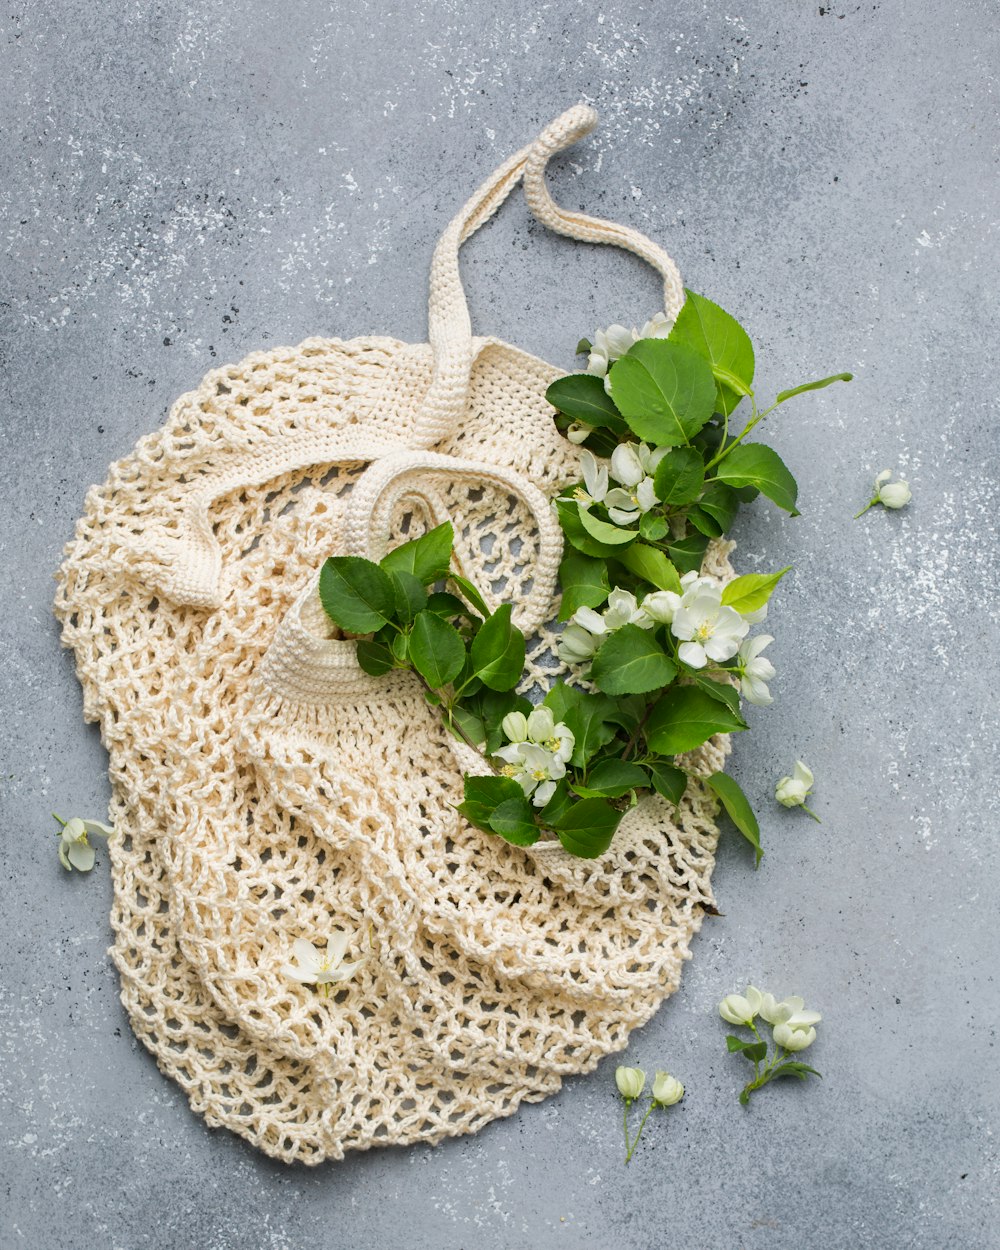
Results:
[266, 790]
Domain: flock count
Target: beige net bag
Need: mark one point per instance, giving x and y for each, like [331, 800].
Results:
[266, 790]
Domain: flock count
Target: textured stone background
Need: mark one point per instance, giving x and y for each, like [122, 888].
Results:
[187, 182]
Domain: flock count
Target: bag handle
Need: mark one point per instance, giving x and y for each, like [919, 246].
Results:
[411, 474]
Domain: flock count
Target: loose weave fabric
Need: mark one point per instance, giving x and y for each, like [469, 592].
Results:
[265, 789]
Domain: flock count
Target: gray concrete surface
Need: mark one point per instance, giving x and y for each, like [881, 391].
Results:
[184, 183]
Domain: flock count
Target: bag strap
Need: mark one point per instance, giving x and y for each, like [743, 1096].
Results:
[411, 475]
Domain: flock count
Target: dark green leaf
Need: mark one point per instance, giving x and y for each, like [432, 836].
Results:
[356, 594]
[753, 464]
[652, 527]
[631, 661]
[441, 603]
[664, 390]
[586, 828]
[411, 597]
[471, 593]
[498, 651]
[679, 477]
[721, 340]
[483, 795]
[514, 820]
[813, 386]
[427, 557]
[582, 397]
[739, 810]
[668, 781]
[752, 590]
[584, 347]
[493, 706]
[588, 719]
[581, 539]
[436, 649]
[801, 1070]
[722, 691]
[557, 806]
[687, 553]
[715, 511]
[584, 582]
[610, 779]
[652, 566]
[685, 717]
[754, 1051]
[628, 712]
[375, 658]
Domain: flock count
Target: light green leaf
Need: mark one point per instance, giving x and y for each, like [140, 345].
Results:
[664, 390]
[514, 820]
[652, 566]
[739, 810]
[356, 594]
[569, 518]
[436, 649]
[685, 717]
[721, 340]
[753, 464]
[586, 828]
[498, 651]
[679, 477]
[813, 386]
[584, 582]
[631, 661]
[584, 347]
[606, 533]
[427, 558]
[752, 590]
[470, 724]
[652, 527]
[582, 397]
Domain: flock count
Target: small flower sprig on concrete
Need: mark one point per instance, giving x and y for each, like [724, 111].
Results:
[74, 836]
[667, 1091]
[794, 790]
[889, 494]
[792, 1028]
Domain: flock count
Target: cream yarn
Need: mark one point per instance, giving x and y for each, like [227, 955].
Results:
[266, 789]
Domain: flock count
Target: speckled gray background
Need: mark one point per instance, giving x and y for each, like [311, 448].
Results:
[184, 183]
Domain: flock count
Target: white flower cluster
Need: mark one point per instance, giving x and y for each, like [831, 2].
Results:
[792, 1026]
[707, 629]
[539, 750]
[611, 344]
[632, 467]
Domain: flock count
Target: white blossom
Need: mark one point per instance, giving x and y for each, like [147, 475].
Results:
[793, 1039]
[630, 1082]
[613, 342]
[667, 1090]
[321, 967]
[538, 752]
[709, 630]
[75, 850]
[889, 494]
[755, 671]
[587, 629]
[741, 1008]
[633, 466]
[595, 481]
[793, 791]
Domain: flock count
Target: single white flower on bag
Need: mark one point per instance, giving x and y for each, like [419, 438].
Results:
[321, 967]
[535, 769]
[630, 1082]
[595, 481]
[741, 1008]
[667, 1090]
[74, 835]
[709, 630]
[890, 495]
[793, 1039]
[755, 670]
[794, 790]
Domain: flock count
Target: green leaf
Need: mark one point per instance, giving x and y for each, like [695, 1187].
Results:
[514, 820]
[739, 810]
[572, 526]
[427, 558]
[753, 464]
[356, 594]
[754, 1051]
[582, 397]
[606, 533]
[723, 691]
[436, 649]
[470, 724]
[715, 511]
[664, 390]
[752, 590]
[584, 347]
[652, 566]
[557, 806]
[483, 795]
[652, 527]
[721, 340]
[631, 661]
[586, 828]
[498, 651]
[375, 658]
[441, 603]
[679, 477]
[493, 706]
[813, 386]
[688, 553]
[610, 779]
[587, 717]
[584, 582]
[668, 781]
[685, 717]
[471, 593]
[411, 597]
[794, 1068]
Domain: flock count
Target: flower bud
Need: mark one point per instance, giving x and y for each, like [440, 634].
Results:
[793, 1039]
[541, 724]
[735, 1009]
[667, 1090]
[577, 433]
[895, 495]
[515, 726]
[793, 791]
[630, 1082]
[661, 605]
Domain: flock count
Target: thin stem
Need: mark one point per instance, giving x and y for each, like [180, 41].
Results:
[630, 745]
[635, 1140]
[628, 1152]
[870, 504]
[809, 812]
[64, 823]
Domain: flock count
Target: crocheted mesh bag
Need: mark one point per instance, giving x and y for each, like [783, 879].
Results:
[265, 789]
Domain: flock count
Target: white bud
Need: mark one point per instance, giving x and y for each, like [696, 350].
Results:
[630, 1082]
[895, 495]
[515, 726]
[793, 1039]
[667, 1090]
